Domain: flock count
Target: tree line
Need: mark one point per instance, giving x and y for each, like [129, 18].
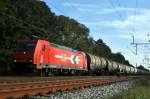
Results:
[20, 19]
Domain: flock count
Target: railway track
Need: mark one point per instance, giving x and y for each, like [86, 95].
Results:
[18, 79]
[17, 90]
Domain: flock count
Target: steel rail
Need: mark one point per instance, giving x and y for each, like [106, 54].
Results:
[17, 90]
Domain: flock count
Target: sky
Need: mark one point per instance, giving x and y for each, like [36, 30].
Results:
[113, 21]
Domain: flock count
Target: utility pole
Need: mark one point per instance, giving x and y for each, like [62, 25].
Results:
[137, 44]
[146, 60]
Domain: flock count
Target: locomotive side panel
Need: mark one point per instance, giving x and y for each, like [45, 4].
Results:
[48, 55]
[61, 57]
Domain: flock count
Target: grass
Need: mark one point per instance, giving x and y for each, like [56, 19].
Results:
[141, 91]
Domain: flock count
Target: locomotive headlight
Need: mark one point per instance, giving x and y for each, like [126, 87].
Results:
[24, 52]
[15, 60]
[30, 60]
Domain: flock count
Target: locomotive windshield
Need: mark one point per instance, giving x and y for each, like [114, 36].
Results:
[25, 46]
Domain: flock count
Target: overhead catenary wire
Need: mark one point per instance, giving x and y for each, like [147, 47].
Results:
[117, 12]
[120, 16]
[118, 3]
[134, 17]
[112, 4]
[51, 4]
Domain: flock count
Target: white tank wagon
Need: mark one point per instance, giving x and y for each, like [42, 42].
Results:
[100, 65]
[115, 66]
[109, 65]
[140, 71]
[132, 70]
[96, 63]
[127, 69]
[120, 67]
[123, 68]
[135, 70]
[112, 66]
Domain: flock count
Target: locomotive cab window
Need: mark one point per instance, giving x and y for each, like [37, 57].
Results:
[43, 47]
[25, 46]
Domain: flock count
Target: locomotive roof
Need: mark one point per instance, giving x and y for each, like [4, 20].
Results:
[26, 41]
[63, 47]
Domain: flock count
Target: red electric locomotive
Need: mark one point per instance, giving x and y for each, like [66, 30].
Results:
[48, 58]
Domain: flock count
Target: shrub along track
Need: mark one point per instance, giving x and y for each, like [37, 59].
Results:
[16, 90]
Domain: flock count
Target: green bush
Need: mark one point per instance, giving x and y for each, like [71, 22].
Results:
[141, 91]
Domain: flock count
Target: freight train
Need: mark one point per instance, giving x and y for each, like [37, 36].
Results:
[44, 58]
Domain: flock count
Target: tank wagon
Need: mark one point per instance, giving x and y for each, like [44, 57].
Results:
[41, 56]
[96, 64]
